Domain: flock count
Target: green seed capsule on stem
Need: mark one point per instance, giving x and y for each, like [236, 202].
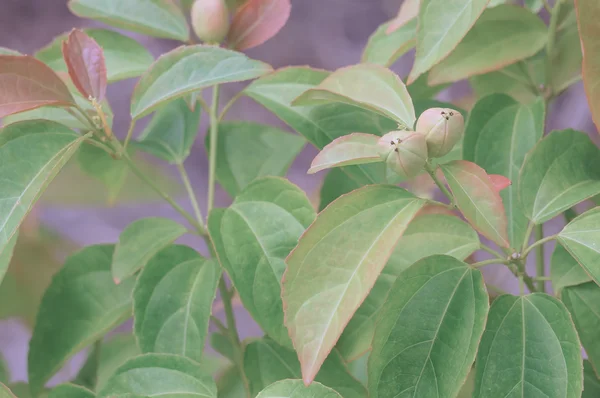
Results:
[210, 20]
[405, 152]
[442, 129]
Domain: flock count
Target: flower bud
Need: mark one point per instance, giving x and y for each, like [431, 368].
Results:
[404, 152]
[442, 129]
[210, 20]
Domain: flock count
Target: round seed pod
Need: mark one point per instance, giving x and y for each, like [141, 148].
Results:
[442, 129]
[210, 20]
[404, 152]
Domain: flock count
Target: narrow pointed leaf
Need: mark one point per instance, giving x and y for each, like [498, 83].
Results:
[5, 392]
[125, 57]
[256, 21]
[28, 162]
[28, 84]
[172, 302]
[498, 135]
[581, 237]
[266, 362]
[385, 48]
[247, 151]
[190, 68]
[70, 391]
[163, 375]
[591, 384]
[452, 237]
[171, 133]
[371, 87]
[441, 27]
[296, 389]
[140, 241]
[80, 306]
[561, 171]
[409, 10]
[86, 64]
[565, 270]
[589, 33]
[502, 36]
[435, 301]
[477, 199]
[356, 148]
[530, 347]
[252, 255]
[335, 265]
[583, 302]
[159, 18]
[319, 124]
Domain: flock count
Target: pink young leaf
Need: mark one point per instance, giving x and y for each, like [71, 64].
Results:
[86, 64]
[408, 10]
[499, 182]
[256, 21]
[355, 148]
[26, 83]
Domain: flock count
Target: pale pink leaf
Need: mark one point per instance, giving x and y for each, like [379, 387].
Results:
[408, 10]
[256, 21]
[86, 64]
[499, 182]
[351, 149]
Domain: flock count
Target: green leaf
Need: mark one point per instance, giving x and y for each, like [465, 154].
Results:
[230, 384]
[502, 36]
[221, 343]
[164, 375]
[498, 135]
[428, 330]
[591, 384]
[6, 253]
[296, 389]
[159, 18]
[140, 241]
[4, 370]
[247, 151]
[371, 87]
[452, 237]
[440, 28]
[172, 302]
[336, 183]
[337, 262]
[70, 391]
[385, 48]
[172, 131]
[252, 254]
[583, 302]
[529, 348]
[351, 149]
[566, 59]
[266, 362]
[477, 199]
[587, 10]
[28, 162]
[81, 304]
[319, 124]
[5, 392]
[125, 57]
[565, 270]
[8, 51]
[562, 170]
[114, 353]
[190, 68]
[87, 376]
[99, 164]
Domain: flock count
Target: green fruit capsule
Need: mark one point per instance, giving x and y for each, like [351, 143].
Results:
[210, 20]
[405, 152]
[442, 129]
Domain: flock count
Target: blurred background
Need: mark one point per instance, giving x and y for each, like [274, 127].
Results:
[324, 34]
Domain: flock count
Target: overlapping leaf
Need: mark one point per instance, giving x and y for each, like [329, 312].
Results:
[565, 270]
[296, 389]
[566, 59]
[5, 392]
[581, 237]
[256, 21]
[86, 64]
[70, 391]
[384, 48]
[335, 265]
[356, 148]
[589, 33]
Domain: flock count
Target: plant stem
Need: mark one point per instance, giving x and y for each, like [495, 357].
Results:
[488, 262]
[431, 171]
[129, 134]
[547, 6]
[528, 232]
[190, 190]
[230, 104]
[539, 257]
[222, 328]
[490, 250]
[214, 130]
[538, 243]
[542, 278]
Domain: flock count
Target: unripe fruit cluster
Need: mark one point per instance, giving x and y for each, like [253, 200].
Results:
[210, 20]
[406, 152]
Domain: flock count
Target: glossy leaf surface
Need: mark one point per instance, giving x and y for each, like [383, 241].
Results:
[173, 301]
[477, 199]
[159, 18]
[335, 265]
[86, 304]
[252, 254]
[86, 64]
[191, 68]
[529, 347]
[561, 171]
[371, 87]
[140, 241]
[437, 300]
[256, 21]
